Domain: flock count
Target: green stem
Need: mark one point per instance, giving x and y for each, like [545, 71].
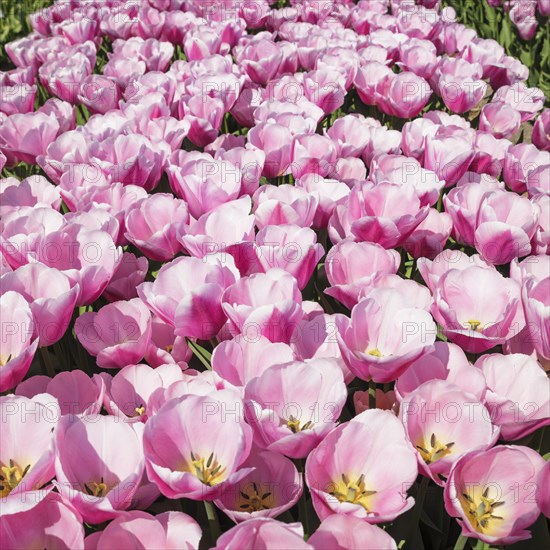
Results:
[460, 543]
[418, 505]
[50, 371]
[302, 503]
[372, 394]
[213, 521]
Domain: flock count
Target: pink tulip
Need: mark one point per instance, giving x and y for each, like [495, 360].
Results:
[107, 481]
[403, 95]
[521, 165]
[505, 225]
[477, 308]
[349, 135]
[352, 482]
[74, 391]
[345, 532]
[170, 530]
[27, 452]
[315, 337]
[290, 247]
[385, 335]
[536, 301]
[187, 294]
[52, 297]
[129, 274]
[267, 304]
[128, 392]
[517, 394]
[32, 191]
[260, 59]
[228, 228]
[446, 362]
[326, 88]
[352, 266]
[24, 137]
[284, 204]
[429, 237]
[118, 334]
[293, 406]
[543, 499]
[272, 487]
[240, 360]
[204, 115]
[263, 533]
[541, 131]
[194, 446]
[202, 181]
[528, 101]
[500, 119]
[276, 142]
[433, 270]
[99, 93]
[18, 344]
[151, 225]
[52, 523]
[312, 154]
[491, 493]
[166, 347]
[443, 422]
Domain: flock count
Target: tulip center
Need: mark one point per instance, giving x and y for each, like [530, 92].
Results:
[10, 477]
[255, 500]
[434, 449]
[295, 427]
[5, 359]
[139, 410]
[96, 489]
[209, 472]
[474, 325]
[354, 492]
[374, 352]
[481, 511]
[169, 348]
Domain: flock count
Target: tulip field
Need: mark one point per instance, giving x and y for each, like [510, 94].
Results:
[274, 274]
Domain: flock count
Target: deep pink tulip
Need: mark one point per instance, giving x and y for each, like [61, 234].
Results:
[260, 59]
[129, 274]
[541, 131]
[491, 493]
[345, 480]
[292, 407]
[117, 335]
[195, 445]
[429, 237]
[521, 165]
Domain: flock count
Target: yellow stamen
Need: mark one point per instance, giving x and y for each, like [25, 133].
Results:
[209, 472]
[295, 427]
[10, 477]
[480, 511]
[354, 492]
[4, 360]
[434, 450]
[374, 352]
[255, 500]
[96, 489]
[474, 325]
[140, 410]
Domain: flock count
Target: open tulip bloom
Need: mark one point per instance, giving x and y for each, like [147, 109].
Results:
[274, 275]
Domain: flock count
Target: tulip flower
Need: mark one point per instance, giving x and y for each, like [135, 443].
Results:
[491, 493]
[195, 446]
[536, 300]
[272, 487]
[344, 480]
[292, 407]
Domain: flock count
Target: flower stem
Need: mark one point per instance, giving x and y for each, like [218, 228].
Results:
[418, 505]
[372, 394]
[460, 542]
[213, 521]
[302, 503]
[50, 371]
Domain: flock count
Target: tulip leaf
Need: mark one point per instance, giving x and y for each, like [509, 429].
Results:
[202, 354]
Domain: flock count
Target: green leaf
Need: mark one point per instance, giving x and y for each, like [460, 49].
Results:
[203, 355]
